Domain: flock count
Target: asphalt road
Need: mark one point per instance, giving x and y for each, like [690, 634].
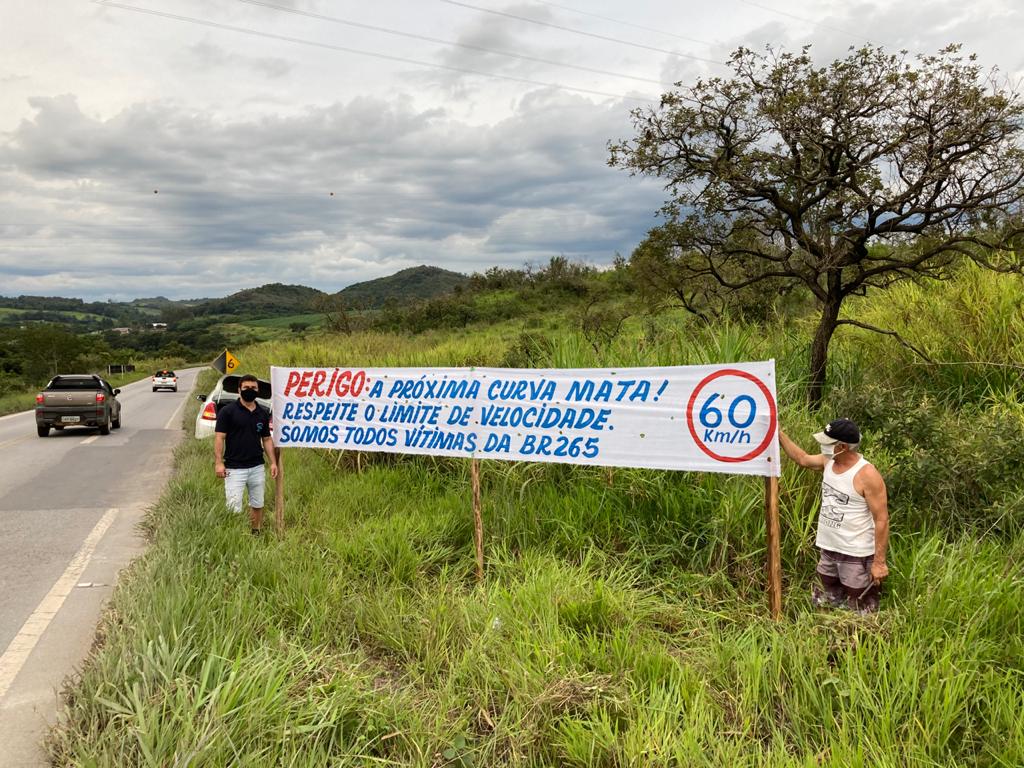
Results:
[69, 508]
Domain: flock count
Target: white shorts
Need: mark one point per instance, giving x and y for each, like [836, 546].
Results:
[236, 481]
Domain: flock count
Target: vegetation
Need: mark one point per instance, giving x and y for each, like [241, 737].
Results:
[622, 621]
[835, 180]
[413, 284]
[199, 329]
[31, 356]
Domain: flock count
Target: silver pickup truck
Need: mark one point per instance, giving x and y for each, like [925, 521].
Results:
[77, 401]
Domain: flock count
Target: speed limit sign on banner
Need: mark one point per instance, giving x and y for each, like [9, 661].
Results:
[723, 412]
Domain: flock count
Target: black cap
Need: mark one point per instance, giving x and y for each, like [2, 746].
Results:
[839, 431]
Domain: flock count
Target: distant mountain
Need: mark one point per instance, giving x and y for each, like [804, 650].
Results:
[267, 301]
[413, 284]
[271, 300]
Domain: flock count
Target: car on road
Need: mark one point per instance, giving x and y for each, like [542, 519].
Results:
[165, 380]
[77, 400]
[226, 391]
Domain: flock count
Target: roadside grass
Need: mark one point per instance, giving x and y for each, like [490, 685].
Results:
[622, 621]
[617, 626]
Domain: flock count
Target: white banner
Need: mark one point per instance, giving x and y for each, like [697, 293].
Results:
[703, 418]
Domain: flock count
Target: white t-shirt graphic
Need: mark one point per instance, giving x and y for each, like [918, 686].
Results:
[845, 523]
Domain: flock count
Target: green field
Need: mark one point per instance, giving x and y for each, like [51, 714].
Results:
[8, 314]
[622, 621]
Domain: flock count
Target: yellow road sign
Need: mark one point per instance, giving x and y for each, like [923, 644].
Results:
[226, 363]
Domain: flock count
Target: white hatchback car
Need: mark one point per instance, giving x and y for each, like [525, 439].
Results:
[226, 391]
[165, 380]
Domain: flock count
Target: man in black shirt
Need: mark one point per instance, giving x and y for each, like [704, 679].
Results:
[241, 439]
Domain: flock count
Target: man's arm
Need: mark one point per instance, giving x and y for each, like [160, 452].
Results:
[800, 456]
[218, 454]
[268, 448]
[878, 504]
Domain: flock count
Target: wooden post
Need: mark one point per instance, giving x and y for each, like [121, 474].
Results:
[279, 493]
[478, 523]
[771, 510]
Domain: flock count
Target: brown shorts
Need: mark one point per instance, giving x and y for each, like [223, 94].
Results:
[854, 572]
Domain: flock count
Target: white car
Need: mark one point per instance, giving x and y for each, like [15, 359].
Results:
[226, 391]
[165, 380]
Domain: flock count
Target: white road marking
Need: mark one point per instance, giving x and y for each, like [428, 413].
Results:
[177, 414]
[88, 440]
[25, 641]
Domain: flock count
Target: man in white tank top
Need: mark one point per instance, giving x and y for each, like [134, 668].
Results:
[853, 525]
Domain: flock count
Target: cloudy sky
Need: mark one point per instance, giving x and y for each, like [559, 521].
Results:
[205, 146]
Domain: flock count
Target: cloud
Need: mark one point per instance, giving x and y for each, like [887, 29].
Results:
[206, 56]
[244, 139]
[161, 197]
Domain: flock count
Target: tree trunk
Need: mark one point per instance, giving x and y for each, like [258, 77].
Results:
[819, 350]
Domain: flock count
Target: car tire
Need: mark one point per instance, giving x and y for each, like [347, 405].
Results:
[42, 431]
[155, 388]
[105, 426]
[116, 423]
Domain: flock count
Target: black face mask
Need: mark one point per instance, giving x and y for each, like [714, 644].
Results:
[248, 395]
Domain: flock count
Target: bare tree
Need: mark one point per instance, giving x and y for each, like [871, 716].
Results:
[332, 307]
[874, 169]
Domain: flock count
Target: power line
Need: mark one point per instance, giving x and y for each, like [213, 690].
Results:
[374, 54]
[594, 35]
[426, 38]
[623, 23]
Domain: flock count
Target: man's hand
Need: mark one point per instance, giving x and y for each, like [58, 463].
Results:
[273, 471]
[879, 570]
[799, 455]
[220, 469]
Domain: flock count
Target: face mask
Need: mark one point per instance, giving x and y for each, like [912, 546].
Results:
[248, 395]
[828, 450]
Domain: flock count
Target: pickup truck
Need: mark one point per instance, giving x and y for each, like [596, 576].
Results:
[77, 401]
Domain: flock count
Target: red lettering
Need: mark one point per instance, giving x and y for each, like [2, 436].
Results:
[303, 389]
[358, 382]
[318, 379]
[341, 386]
[293, 379]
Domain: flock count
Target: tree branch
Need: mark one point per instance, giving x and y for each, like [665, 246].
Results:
[895, 335]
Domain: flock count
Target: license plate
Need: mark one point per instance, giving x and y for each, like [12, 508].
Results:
[70, 419]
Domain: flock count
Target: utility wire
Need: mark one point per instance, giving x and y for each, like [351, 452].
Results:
[358, 52]
[623, 23]
[414, 36]
[594, 35]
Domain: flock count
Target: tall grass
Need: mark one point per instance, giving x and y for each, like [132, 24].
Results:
[622, 621]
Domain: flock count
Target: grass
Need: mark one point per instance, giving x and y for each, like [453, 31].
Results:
[313, 320]
[622, 621]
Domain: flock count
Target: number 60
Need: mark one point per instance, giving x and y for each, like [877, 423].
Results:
[711, 417]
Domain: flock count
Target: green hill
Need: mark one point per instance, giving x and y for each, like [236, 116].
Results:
[413, 284]
[271, 300]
